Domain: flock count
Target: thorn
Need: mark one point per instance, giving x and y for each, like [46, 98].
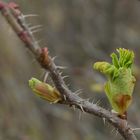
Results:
[42, 74]
[136, 129]
[112, 131]
[53, 58]
[61, 67]
[28, 25]
[116, 132]
[38, 41]
[60, 73]
[93, 101]
[30, 15]
[81, 107]
[88, 99]
[35, 27]
[65, 77]
[37, 30]
[98, 102]
[68, 85]
[46, 76]
[74, 108]
[78, 92]
[104, 120]
[65, 98]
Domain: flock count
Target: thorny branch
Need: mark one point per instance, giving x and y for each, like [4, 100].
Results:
[16, 19]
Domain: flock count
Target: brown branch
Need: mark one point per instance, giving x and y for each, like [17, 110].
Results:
[16, 20]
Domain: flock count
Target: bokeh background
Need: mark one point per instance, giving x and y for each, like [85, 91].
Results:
[79, 32]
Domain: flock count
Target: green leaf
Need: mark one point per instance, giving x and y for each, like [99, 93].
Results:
[120, 81]
[115, 60]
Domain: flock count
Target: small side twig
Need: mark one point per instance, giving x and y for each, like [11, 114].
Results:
[17, 21]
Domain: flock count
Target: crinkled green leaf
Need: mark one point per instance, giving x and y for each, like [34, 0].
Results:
[115, 60]
[120, 84]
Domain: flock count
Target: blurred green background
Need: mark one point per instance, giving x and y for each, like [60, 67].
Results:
[79, 32]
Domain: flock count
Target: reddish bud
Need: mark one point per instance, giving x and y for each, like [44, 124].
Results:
[44, 57]
[24, 36]
[14, 7]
